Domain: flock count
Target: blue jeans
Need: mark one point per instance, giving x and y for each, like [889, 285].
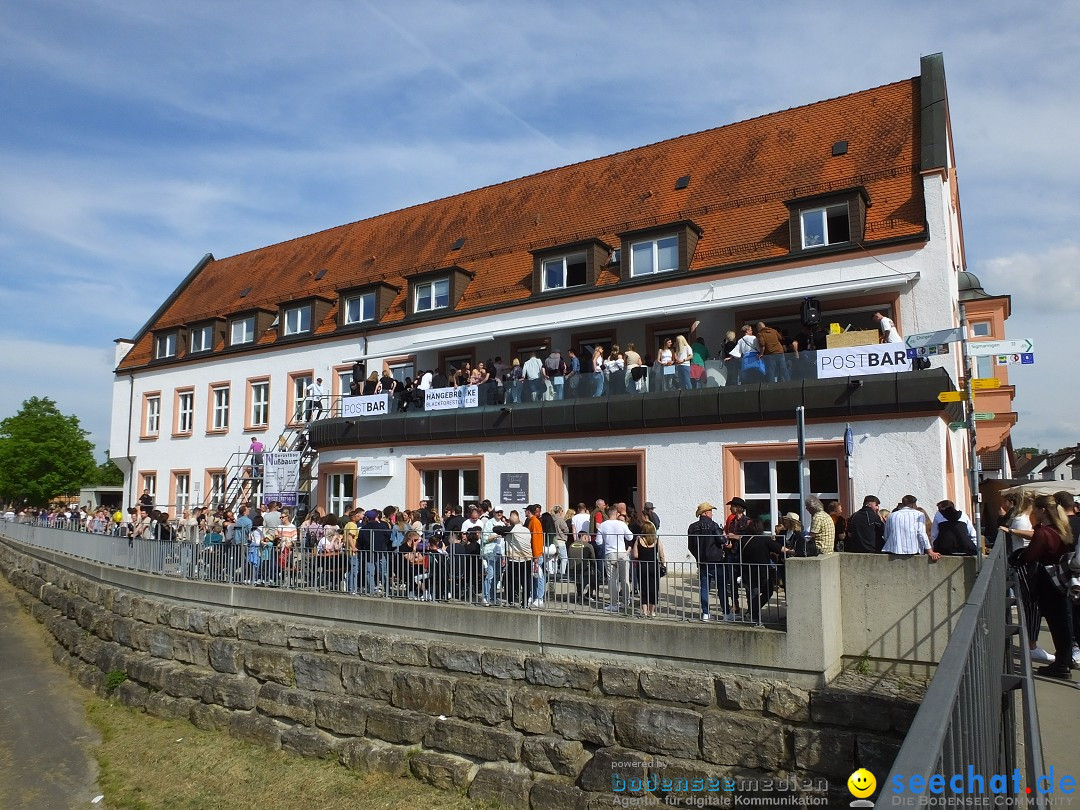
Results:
[598, 383]
[539, 579]
[558, 387]
[373, 560]
[776, 368]
[492, 576]
[354, 571]
[713, 574]
[683, 370]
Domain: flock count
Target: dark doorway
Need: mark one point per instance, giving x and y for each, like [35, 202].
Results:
[613, 483]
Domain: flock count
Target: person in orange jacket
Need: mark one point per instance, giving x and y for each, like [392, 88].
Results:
[536, 529]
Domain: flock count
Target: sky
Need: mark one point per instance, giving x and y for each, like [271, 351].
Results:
[136, 137]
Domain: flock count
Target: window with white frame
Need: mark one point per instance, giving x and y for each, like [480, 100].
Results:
[565, 271]
[454, 486]
[153, 416]
[149, 483]
[339, 492]
[980, 329]
[344, 381]
[242, 330]
[202, 339]
[297, 320]
[360, 308]
[431, 295]
[300, 382]
[825, 226]
[217, 489]
[165, 346]
[260, 404]
[984, 367]
[220, 416]
[399, 371]
[183, 493]
[185, 411]
[654, 256]
[771, 488]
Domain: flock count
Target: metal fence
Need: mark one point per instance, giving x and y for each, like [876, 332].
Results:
[568, 580]
[966, 723]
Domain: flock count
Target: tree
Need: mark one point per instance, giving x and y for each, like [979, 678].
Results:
[108, 474]
[1024, 451]
[43, 454]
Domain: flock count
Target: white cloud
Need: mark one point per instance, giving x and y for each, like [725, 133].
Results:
[1040, 283]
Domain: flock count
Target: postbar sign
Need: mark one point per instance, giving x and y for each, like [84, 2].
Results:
[373, 405]
[856, 361]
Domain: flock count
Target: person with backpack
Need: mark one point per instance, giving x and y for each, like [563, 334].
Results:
[707, 544]
[951, 533]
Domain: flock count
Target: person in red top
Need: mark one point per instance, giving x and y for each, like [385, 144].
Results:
[536, 530]
[1052, 538]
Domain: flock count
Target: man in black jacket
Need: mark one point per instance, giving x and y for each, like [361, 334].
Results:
[866, 529]
[706, 541]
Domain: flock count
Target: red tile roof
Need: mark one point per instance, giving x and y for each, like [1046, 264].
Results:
[741, 175]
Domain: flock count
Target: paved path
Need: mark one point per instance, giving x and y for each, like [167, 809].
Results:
[45, 761]
[1058, 705]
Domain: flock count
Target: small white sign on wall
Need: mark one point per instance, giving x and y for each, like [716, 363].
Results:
[377, 468]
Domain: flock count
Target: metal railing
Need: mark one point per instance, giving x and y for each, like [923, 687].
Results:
[567, 580]
[966, 723]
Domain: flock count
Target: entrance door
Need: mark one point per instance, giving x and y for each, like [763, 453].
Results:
[612, 482]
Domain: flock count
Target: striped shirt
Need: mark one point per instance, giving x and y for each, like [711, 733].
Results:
[905, 532]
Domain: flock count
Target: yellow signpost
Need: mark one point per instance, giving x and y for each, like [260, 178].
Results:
[985, 382]
[950, 396]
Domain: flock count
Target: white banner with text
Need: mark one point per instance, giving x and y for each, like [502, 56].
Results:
[856, 361]
[442, 399]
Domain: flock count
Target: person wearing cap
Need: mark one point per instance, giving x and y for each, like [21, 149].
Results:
[709, 546]
[313, 400]
[792, 535]
[649, 511]
[866, 529]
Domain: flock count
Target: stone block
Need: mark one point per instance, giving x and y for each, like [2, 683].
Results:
[532, 712]
[132, 694]
[551, 754]
[730, 738]
[875, 753]
[282, 701]
[186, 682]
[121, 631]
[485, 701]
[255, 729]
[150, 671]
[123, 604]
[367, 680]
[563, 674]
[190, 649]
[303, 637]
[225, 654]
[674, 780]
[621, 681]
[862, 710]
[375, 648]
[307, 742]
[658, 729]
[828, 751]
[788, 702]
[410, 652]
[444, 771]
[397, 725]
[209, 718]
[90, 648]
[263, 632]
[481, 742]
[111, 656]
[502, 785]
[679, 687]
[741, 693]
[342, 714]
[222, 624]
[456, 659]
[342, 642]
[548, 794]
[432, 694]
[161, 705]
[318, 673]
[144, 610]
[177, 617]
[611, 764]
[159, 642]
[506, 664]
[375, 756]
[269, 665]
[231, 691]
[583, 719]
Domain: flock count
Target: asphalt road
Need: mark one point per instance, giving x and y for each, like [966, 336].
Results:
[45, 741]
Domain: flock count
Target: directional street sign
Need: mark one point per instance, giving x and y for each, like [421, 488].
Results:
[933, 338]
[957, 426]
[985, 348]
[1021, 358]
[928, 351]
[987, 382]
[983, 416]
[950, 396]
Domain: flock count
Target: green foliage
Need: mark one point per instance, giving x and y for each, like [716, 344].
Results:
[1035, 451]
[108, 474]
[114, 679]
[43, 454]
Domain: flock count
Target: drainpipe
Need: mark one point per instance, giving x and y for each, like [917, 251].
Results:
[131, 463]
[973, 453]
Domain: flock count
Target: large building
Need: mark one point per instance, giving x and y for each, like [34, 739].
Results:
[852, 202]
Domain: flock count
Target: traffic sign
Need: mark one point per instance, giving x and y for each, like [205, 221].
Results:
[983, 416]
[957, 426]
[986, 382]
[985, 348]
[950, 396]
[933, 338]
[1018, 358]
[928, 351]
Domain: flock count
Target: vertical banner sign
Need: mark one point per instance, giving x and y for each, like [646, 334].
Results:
[281, 477]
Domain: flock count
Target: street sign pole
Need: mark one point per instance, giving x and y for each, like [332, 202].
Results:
[969, 418]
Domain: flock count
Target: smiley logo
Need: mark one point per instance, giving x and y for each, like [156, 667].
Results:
[861, 783]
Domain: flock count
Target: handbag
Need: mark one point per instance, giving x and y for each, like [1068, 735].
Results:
[663, 569]
[697, 372]
[751, 361]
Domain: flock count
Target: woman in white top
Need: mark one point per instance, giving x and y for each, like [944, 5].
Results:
[1019, 520]
[666, 359]
[683, 355]
[614, 366]
[1017, 532]
[598, 371]
[745, 344]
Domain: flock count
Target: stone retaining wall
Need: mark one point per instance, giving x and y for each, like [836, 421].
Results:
[525, 730]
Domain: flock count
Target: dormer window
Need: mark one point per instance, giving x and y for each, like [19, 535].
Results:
[829, 225]
[359, 308]
[297, 320]
[651, 256]
[202, 339]
[165, 345]
[242, 330]
[431, 295]
[565, 271]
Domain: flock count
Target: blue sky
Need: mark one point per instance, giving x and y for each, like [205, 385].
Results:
[139, 136]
